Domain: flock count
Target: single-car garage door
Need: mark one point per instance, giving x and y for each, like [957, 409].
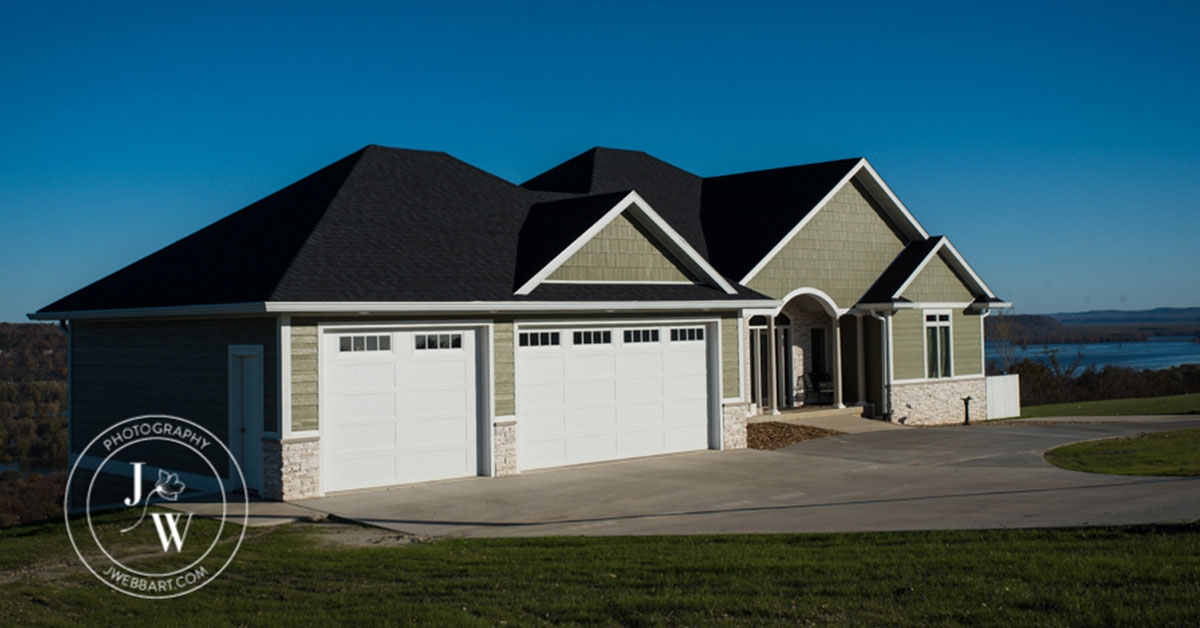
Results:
[586, 395]
[397, 406]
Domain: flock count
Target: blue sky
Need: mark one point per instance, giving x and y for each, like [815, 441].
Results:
[1057, 144]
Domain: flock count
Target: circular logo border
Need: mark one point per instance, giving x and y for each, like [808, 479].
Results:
[221, 482]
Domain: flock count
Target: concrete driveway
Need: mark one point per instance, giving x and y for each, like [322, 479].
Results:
[981, 476]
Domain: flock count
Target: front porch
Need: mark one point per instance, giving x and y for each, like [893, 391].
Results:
[810, 353]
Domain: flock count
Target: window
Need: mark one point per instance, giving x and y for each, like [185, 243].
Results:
[641, 335]
[365, 343]
[427, 342]
[538, 339]
[937, 346]
[687, 334]
[590, 337]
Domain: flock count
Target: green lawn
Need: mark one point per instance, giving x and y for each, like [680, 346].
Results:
[1158, 453]
[294, 575]
[1177, 404]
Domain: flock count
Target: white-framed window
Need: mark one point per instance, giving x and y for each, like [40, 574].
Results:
[939, 361]
[687, 334]
[349, 344]
[539, 339]
[641, 335]
[428, 342]
[592, 337]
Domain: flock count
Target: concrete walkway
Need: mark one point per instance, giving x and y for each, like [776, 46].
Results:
[848, 420]
[964, 477]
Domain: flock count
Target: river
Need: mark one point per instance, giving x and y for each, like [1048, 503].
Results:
[1159, 352]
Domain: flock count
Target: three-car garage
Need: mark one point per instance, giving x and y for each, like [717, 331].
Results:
[403, 404]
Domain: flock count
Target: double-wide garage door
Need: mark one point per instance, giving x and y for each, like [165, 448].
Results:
[587, 395]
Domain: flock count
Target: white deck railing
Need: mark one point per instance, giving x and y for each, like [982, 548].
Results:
[1003, 396]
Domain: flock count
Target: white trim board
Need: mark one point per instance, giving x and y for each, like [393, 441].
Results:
[318, 308]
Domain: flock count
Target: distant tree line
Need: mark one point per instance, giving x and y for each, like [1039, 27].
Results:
[33, 392]
[33, 425]
[1052, 381]
[1023, 330]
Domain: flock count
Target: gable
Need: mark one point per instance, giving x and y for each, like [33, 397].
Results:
[622, 251]
[841, 251]
[937, 283]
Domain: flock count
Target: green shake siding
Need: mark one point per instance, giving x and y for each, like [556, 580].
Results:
[622, 251]
[937, 283]
[304, 378]
[842, 251]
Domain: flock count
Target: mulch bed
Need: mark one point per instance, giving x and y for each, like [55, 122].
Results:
[773, 435]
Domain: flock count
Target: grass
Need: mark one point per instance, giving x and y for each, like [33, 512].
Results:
[1158, 453]
[291, 575]
[1175, 404]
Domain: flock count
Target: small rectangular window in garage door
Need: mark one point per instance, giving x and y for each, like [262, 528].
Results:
[641, 335]
[365, 343]
[539, 339]
[687, 334]
[592, 337]
[426, 342]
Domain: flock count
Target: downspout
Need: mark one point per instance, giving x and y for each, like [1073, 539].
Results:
[886, 379]
[983, 342]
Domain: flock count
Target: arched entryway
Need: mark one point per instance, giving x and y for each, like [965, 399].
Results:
[796, 353]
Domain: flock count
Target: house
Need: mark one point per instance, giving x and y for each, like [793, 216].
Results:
[401, 316]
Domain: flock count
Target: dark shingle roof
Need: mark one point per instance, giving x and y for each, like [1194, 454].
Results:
[745, 215]
[672, 192]
[553, 225]
[393, 225]
[885, 288]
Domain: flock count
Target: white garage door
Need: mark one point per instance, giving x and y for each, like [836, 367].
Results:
[586, 395]
[397, 406]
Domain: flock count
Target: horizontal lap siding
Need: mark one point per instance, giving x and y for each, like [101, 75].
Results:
[841, 251]
[730, 375]
[121, 370]
[908, 329]
[506, 396]
[304, 377]
[967, 345]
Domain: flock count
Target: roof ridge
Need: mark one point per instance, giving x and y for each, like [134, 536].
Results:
[357, 157]
[847, 160]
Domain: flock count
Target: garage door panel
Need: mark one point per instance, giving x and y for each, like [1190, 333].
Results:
[641, 389]
[365, 406]
[639, 362]
[442, 372]
[439, 402]
[536, 397]
[591, 447]
[354, 376]
[364, 436]
[646, 442]
[545, 423]
[591, 419]
[681, 387]
[546, 367]
[637, 416]
[593, 362]
[591, 392]
[685, 363]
